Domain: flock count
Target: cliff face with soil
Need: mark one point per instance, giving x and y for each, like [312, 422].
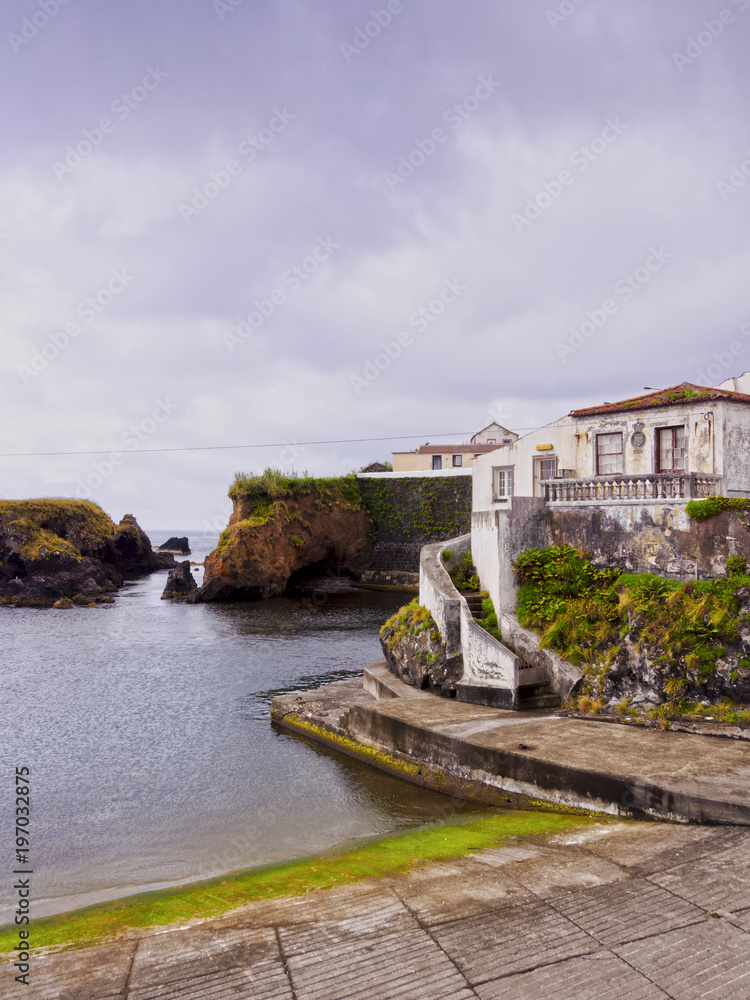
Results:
[66, 550]
[272, 535]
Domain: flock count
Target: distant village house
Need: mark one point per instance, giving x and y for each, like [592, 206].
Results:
[441, 457]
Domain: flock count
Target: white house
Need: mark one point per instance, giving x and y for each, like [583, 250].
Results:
[439, 457]
[664, 445]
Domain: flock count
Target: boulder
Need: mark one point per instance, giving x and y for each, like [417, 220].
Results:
[180, 582]
[176, 546]
[414, 651]
[134, 553]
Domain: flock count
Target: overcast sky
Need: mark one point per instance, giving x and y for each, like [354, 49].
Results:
[213, 215]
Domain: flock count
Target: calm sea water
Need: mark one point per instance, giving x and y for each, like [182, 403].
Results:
[154, 762]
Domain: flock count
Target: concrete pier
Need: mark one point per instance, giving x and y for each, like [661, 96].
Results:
[493, 756]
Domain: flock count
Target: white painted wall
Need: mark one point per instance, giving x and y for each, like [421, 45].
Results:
[520, 456]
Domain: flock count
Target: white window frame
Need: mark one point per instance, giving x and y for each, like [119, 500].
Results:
[502, 483]
[601, 457]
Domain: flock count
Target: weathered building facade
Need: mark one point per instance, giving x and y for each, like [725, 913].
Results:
[615, 479]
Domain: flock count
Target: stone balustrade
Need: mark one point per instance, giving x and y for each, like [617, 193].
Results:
[676, 487]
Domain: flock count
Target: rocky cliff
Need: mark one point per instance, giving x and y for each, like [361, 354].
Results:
[281, 528]
[54, 551]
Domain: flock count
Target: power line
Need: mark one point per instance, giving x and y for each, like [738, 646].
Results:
[227, 447]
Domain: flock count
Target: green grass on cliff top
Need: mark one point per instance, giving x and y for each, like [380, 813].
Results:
[63, 524]
[274, 485]
[203, 900]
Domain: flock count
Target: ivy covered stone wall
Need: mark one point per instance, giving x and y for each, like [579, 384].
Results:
[412, 512]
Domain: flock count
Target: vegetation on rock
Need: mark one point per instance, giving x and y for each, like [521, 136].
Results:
[700, 510]
[58, 551]
[665, 644]
[489, 623]
[282, 525]
[415, 652]
[463, 575]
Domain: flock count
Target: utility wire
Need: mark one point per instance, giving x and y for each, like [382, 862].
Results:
[228, 447]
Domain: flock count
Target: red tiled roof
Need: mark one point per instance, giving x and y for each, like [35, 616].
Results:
[458, 449]
[676, 395]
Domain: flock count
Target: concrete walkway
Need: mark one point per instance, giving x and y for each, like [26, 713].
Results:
[620, 911]
[486, 754]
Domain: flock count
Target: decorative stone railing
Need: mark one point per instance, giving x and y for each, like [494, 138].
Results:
[615, 489]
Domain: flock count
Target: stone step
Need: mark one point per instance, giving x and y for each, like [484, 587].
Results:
[544, 701]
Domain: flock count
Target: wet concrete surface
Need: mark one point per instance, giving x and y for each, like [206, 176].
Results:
[482, 753]
[620, 909]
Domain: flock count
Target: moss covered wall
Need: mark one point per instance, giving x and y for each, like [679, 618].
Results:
[410, 513]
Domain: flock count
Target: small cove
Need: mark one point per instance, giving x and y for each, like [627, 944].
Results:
[146, 726]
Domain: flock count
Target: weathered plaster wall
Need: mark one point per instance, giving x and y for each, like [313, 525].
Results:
[733, 420]
[439, 596]
[639, 454]
[497, 538]
[486, 661]
[717, 438]
[650, 538]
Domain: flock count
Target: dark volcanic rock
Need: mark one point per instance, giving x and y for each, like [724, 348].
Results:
[180, 581]
[134, 552]
[177, 546]
[165, 560]
[53, 550]
[415, 652]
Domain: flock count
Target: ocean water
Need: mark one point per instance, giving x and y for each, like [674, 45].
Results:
[153, 759]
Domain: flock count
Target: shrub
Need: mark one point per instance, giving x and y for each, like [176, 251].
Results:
[585, 613]
[736, 566]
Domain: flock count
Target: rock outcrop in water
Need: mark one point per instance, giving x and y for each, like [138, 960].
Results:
[283, 528]
[67, 551]
[180, 582]
[176, 547]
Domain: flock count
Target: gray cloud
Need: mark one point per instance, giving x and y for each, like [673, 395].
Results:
[389, 149]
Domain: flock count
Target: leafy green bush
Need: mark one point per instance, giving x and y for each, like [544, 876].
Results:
[736, 566]
[585, 613]
[700, 510]
[464, 576]
[489, 623]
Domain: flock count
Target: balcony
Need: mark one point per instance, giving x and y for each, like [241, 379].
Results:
[675, 487]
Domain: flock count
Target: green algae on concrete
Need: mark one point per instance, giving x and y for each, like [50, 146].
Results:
[216, 897]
